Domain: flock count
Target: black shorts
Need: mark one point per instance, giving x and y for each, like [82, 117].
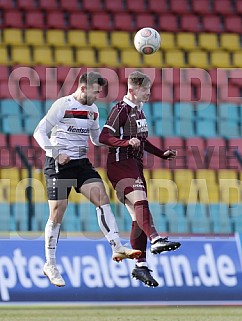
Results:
[61, 178]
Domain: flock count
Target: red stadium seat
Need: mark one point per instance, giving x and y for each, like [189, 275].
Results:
[44, 73]
[135, 6]
[114, 6]
[195, 147]
[8, 90]
[223, 7]
[48, 5]
[101, 21]
[233, 145]
[64, 71]
[34, 19]
[162, 92]
[27, 91]
[4, 73]
[168, 22]
[184, 92]
[218, 77]
[172, 76]
[26, 4]
[157, 7]
[123, 21]
[50, 90]
[13, 18]
[92, 6]
[6, 4]
[190, 22]
[235, 77]
[214, 153]
[79, 20]
[212, 23]
[201, 7]
[179, 7]
[145, 19]
[55, 19]
[206, 93]
[238, 7]
[229, 93]
[70, 5]
[233, 24]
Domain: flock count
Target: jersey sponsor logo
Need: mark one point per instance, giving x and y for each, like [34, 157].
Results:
[141, 125]
[90, 115]
[80, 114]
[73, 129]
[138, 183]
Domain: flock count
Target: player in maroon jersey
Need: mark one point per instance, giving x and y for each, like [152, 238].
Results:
[126, 133]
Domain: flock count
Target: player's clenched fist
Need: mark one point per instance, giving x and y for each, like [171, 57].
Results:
[169, 154]
[134, 142]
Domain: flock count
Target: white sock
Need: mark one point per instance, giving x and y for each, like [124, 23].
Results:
[108, 225]
[141, 264]
[52, 231]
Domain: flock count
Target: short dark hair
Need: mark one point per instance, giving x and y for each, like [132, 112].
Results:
[91, 78]
[138, 78]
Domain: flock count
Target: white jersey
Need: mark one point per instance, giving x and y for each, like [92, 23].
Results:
[70, 124]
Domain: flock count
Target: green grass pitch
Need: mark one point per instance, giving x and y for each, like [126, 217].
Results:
[119, 313]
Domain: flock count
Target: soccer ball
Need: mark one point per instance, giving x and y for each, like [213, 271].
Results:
[147, 41]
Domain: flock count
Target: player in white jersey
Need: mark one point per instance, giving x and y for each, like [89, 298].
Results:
[71, 120]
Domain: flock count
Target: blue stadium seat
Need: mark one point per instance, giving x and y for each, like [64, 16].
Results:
[6, 219]
[184, 110]
[162, 110]
[206, 111]
[205, 128]
[20, 214]
[41, 211]
[219, 214]
[229, 128]
[71, 221]
[30, 124]
[184, 127]
[86, 212]
[201, 225]
[177, 220]
[228, 111]
[196, 211]
[159, 217]
[162, 127]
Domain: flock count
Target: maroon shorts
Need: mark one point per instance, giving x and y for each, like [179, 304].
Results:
[126, 176]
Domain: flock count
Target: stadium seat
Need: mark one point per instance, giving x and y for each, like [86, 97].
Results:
[120, 39]
[108, 57]
[55, 19]
[206, 128]
[160, 220]
[190, 22]
[186, 41]
[6, 220]
[64, 56]
[21, 55]
[42, 55]
[6, 4]
[158, 7]
[198, 59]
[223, 7]
[123, 21]
[116, 6]
[162, 110]
[135, 7]
[184, 110]
[41, 213]
[233, 24]
[130, 58]
[55, 38]
[238, 7]
[230, 42]
[34, 19]
[101, 21]
[91, 6]
[73, 35]
[155, 60]
[34, 37]
[79, 20]
[201, 7]
[70, 5]
[175, 214]
[219, 215]
[144, 19]
[86, 57]
[4, 73]
[168, 22]
[13, 19]
[206, 111]
[220, 59]
[98, 39]
[208, 41]
[168, 40]
[88, 217]
[184, 93]
[237, 59]
[175, 58]
[12, 37]
[211, 23]
[4, 57]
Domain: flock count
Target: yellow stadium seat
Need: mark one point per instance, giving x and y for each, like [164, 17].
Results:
[42, 55]
[167, 40]
[120, 39]
[76, 38]
[207, 192]
[76, 198]
[186, 40]
[38, 192]
[230, 41]
[230, 186]
[162, 173]
[34, 37]
[237, 59]
[175, 58]
[198, 59]
[227, 173]
[86, 57]
[4, 58]
[64, 56]
[108, 57]
[131, 58]
[98, 39]
[55, 38]
[220, 59]
[208, 174]
[13, 36]
[21, 55]
[162, 191]
[155, 60]
[10, 173]
[208, 41]
[183, 176]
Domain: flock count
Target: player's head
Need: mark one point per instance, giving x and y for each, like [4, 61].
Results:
[90, 86]
[139, 86]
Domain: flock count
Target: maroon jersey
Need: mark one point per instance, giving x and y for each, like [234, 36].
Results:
[124, 122]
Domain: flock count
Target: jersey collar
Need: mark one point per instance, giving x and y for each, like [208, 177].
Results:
[131, 104]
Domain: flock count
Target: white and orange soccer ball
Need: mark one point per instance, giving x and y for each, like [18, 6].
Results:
[147, 40]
